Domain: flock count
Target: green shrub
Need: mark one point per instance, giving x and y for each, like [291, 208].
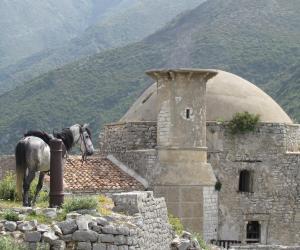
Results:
[202, 242]
[243, 122]
[11, 215]
[218, 185]
[176, 224]
[8, 187]
[8, 243]
[77, 203]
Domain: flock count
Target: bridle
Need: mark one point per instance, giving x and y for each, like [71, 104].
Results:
[81, 136]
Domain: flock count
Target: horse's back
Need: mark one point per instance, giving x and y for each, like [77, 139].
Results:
[37, 153]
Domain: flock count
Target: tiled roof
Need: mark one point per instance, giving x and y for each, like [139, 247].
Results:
[96, 174]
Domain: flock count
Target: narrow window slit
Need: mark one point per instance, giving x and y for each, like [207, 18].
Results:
[188, 113]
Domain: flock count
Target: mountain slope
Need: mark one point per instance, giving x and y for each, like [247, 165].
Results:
[254, 39]
[29, 26]
[126, 21]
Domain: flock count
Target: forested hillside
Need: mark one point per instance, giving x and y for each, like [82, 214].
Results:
[255, 39]
[98, 25]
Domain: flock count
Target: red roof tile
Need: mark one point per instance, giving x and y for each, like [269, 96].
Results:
[96, 174]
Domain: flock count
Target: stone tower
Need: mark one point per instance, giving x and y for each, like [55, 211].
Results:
[185, 177]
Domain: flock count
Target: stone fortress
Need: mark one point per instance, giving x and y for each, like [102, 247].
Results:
[175, 138]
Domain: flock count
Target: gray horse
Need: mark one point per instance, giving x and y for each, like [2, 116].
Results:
[33, 154]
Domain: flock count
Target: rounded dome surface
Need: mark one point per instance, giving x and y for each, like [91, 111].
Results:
[227, 94]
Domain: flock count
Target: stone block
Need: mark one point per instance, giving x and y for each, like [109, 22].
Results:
[109, 229]
[33, 236]
[120, 240]
[83, 222]
[106, 238]
[112, 247]
[58, 245]
[99, 246]
[10, 226]
[123, 247]
[42, 228]
[66, 238]
[84, 246]
[27, 226]
[50, 212]
[101, 221]
[49, 237]
[85, 236]
[68, 227]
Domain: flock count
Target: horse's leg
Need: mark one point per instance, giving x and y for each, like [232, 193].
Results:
[38, 187]
[26, 185]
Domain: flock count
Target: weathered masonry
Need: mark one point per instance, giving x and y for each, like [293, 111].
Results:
[167, 138]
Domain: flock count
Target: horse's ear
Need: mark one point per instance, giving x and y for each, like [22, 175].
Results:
[85, 125]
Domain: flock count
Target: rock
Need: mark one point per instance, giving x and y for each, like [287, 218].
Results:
[94, 226]
[123, 247]
[17, 235]
[112, 247]
[184, 244]
[82, 235]
[58, 245]
[106, 238]
[27, 226]
[123, 230]
[56, 230]
[73, 215]
[109, 229]
[101, 221]
[186, 235]
[83, 222]
[84, 246]
[68, 227]
[99, 246]
[50, 237]
[32, 236]
[87, 211]
[120, 240]
[50, 212]
[66, 238]
[10, 226]
[42, 228]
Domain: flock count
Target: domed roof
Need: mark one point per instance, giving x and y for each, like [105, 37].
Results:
[227, 94]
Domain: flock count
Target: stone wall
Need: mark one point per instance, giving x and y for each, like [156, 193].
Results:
[134, 145]
[265, 247]
[210, 213]
[120, 137]
[142, 225]
[7, 163]
[275, 175]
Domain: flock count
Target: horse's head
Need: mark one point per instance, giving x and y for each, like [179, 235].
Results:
[86, 145]
[82, 136]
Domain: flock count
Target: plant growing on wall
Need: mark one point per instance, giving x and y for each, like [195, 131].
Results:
[243, 122]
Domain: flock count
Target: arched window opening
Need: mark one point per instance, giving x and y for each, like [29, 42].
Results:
[253, 232]
[245, 182]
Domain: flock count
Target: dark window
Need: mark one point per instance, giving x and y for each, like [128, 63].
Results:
[188, 113]
[253, 232]
[245, 181]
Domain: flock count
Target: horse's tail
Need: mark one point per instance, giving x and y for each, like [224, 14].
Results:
[20, 154]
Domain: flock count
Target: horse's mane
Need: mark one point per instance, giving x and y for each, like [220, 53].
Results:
[40, 134]
[89, 132]
[67, 137]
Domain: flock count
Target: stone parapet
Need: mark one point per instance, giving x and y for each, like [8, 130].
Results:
[142, 225]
